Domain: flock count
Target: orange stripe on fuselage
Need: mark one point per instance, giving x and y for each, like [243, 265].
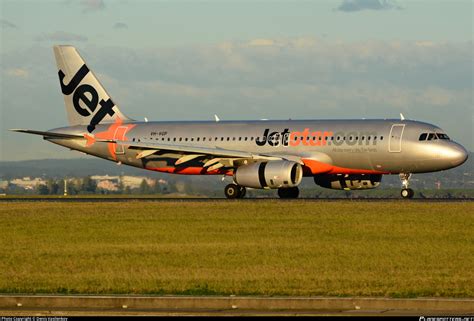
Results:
[313, 167]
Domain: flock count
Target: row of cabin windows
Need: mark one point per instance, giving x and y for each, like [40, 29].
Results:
[275, 138]
[180, 139]
[432, 136]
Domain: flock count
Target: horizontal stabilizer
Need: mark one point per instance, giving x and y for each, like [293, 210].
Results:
[47, 134]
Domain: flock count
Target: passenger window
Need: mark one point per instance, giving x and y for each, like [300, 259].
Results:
[245, 138]
[174, 139]
[181, 138]
[381, 137]
[186, 139]
[222, 139]
[197, 139]
[168, 139]
[423, 136]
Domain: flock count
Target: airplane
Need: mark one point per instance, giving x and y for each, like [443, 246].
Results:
[261, 154]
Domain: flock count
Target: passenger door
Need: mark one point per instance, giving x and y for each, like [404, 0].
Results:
[395, 138]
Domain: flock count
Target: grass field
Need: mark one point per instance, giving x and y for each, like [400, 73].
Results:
[393, 249]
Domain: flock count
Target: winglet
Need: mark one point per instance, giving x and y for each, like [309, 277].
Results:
[216, 118]
[402, 117]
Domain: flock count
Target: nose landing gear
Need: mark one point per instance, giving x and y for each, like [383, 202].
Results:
[406, 192]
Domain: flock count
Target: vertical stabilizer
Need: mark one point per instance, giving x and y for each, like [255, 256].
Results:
[87, 102]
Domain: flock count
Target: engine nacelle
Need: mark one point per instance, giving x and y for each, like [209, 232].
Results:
[271, 174]
[349, 182]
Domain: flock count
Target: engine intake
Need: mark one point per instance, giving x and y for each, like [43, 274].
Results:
[349, 182]
[272, 174]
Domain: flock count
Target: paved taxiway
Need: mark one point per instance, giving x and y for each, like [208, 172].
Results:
[188, 305]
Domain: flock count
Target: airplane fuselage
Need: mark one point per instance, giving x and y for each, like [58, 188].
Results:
[330, 146]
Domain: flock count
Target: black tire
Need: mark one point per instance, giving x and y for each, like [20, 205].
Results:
[407, 193]
[242, 191]
[232, 191]
[292, 192]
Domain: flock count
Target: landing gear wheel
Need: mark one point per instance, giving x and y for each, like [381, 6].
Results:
[407, 193]
[242, 191]
[232, 191]
[292, 192]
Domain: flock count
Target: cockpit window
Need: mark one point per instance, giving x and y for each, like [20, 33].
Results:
[432, 136]
[442, 136]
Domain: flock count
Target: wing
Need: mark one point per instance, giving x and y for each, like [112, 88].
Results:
[216, 157]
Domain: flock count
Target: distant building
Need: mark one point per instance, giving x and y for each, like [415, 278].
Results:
[107, 185]
[111, 183]
[3, 185]
[27, 182]
[135, 181]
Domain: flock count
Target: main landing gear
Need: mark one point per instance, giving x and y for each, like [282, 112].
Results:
[406, 192]
[235, 191]
[291, 192]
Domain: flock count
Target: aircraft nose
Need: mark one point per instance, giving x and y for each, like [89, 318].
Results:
[455, 154]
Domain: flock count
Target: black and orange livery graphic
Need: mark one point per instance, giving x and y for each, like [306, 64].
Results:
[87, 95]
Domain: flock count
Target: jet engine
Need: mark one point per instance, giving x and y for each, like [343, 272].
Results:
[271, 174]
[348, 182]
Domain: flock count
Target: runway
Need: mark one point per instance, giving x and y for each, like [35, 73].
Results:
[200, 199]
[41, 305]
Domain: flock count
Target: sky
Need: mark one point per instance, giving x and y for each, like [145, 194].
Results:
[189, 60]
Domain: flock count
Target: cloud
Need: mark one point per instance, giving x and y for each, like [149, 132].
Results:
[357, 5]
[261, 42]
[18, 73]
[120, 25]
[61, 36]
[5, 24]
[92, 5]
